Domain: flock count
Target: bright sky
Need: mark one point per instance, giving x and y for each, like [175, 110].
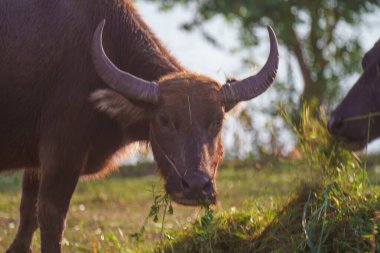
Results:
[195, 53]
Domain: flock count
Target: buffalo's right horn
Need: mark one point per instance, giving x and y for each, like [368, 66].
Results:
[126, 84]
[253, 86]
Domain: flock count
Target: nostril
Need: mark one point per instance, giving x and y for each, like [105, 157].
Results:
[338, 125]
[207, 188]
[185, 186]
[335, 124]
[197, 185]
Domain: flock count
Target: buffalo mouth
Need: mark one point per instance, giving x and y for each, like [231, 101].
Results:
[181, 199]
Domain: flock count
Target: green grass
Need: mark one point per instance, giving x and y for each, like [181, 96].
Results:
[260, 210]
[348, 227]
[103, 213]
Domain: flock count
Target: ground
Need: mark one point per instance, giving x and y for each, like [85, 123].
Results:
[104, 213]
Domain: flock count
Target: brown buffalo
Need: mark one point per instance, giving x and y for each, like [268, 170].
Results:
[361, 106]
[68, 105]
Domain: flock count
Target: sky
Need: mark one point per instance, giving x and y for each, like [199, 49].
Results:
[198, 55]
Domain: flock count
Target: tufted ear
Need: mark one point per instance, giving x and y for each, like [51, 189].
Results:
[118, 107]
[372, 56]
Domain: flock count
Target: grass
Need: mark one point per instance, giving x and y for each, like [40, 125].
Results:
[104, 213]
[312, 220]
[258, 210]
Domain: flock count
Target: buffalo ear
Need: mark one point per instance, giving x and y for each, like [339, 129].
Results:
[372, 56]
[118, 107]
[365, 62]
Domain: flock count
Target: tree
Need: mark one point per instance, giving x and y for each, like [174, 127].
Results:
[307, 29]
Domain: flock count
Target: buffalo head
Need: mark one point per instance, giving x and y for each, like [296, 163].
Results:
[349, 121]
[185, 113]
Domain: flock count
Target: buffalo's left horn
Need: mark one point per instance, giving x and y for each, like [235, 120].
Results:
[126, 84]
[255, 85]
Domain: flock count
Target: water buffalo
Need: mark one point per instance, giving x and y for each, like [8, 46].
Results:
[68, 105]
[349, 121]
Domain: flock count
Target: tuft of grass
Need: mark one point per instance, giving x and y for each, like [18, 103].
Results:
[323, 152]
[317, 220]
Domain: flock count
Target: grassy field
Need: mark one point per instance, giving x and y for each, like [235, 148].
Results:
[104, 213]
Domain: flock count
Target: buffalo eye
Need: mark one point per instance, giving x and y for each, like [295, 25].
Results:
[216, 125]
[165, 122]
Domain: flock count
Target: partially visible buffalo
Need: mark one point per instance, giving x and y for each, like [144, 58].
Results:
[68, 105]
[361, 106]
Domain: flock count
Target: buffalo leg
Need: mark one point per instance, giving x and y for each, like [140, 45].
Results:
[28, 213]
[61, 168]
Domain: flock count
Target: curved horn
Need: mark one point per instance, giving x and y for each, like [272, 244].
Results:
[255, 85]
[126, 84]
